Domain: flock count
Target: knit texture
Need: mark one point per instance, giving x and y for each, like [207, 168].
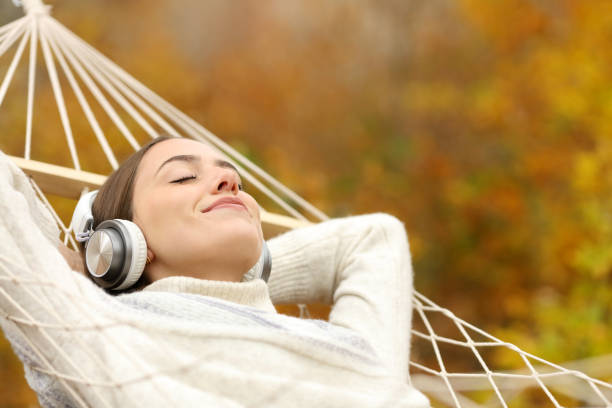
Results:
[188, 342]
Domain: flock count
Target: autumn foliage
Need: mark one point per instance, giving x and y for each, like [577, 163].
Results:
[484, 126]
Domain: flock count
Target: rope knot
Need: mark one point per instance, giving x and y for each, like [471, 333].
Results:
[33, 7]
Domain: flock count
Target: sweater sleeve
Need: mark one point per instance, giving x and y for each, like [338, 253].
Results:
[44, 303]
[32, 266]
[361, 266]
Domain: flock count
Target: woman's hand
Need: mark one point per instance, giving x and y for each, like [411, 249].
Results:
[73, 258]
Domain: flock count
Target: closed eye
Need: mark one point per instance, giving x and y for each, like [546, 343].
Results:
[183, 179]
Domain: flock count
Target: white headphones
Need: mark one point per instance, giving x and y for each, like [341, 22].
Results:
[116, 251]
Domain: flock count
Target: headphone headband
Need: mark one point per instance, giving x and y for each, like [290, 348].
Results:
[82, 218]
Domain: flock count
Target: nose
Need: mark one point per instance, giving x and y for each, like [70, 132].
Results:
[227, 181]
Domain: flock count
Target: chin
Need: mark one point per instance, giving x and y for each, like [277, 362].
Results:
[239, 241]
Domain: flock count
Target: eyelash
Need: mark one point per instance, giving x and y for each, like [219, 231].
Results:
[182, 179]
[186, 178]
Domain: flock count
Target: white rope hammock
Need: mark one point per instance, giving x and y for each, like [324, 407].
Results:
[98, 84]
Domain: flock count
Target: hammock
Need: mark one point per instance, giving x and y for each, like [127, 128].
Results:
[103, 91]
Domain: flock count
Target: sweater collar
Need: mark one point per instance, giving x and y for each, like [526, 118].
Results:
[252, 293]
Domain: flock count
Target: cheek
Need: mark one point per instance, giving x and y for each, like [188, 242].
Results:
[157, 218]
[250, 202]
[254, 209]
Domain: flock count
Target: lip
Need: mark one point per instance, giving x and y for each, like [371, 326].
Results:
[225, 202]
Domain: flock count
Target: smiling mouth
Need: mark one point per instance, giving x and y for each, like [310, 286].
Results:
[226, 203]
[232, 206]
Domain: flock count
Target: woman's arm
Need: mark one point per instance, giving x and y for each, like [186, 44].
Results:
[361, 266]
[45, 304]
[73, 258]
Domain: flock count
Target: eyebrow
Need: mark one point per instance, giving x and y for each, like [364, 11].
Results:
[189, 158]
[226, 164]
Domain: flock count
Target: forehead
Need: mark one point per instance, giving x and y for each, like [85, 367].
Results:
[162, 151]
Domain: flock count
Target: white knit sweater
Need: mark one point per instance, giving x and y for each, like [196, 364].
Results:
[188, 342]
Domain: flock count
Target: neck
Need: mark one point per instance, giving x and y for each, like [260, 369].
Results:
[157, 270]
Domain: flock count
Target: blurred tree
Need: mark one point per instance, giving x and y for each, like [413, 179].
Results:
[483, 125]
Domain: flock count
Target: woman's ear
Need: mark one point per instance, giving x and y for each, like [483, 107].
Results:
[150, 256]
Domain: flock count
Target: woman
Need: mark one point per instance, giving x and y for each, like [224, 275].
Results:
[200, 332]
[185, 192]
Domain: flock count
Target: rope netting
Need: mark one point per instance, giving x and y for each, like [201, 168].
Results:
[106, 94]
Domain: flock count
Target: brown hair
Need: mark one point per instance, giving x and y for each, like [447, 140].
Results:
[114, 199]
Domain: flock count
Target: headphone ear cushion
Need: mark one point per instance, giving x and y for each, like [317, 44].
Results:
[138, 259]
[267, 262]
[262, 268]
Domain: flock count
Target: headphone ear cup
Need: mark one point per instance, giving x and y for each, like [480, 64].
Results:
[116, 254]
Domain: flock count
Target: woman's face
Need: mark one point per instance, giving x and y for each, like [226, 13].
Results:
[196, 219]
